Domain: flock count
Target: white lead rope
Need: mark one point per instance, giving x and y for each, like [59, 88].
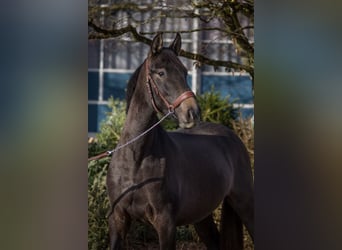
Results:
[141, 135]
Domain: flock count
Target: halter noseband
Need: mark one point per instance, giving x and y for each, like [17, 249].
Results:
[170, 106]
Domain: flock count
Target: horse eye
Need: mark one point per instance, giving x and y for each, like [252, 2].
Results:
[161, 73]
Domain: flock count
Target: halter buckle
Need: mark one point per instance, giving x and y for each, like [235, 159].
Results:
[171, 109]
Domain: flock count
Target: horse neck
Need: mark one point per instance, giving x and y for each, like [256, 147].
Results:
[140, 115]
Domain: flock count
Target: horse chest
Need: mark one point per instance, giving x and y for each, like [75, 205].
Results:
[147, 174]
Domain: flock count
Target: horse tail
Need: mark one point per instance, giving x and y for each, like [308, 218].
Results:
[231, 228]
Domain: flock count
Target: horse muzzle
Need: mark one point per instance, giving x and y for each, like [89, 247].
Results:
[188, 113]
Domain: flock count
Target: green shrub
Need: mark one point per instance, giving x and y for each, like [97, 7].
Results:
[216, 109]
[98, 202]
[98, 205]
[110, 129]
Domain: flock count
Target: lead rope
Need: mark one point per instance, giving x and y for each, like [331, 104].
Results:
[109, 153]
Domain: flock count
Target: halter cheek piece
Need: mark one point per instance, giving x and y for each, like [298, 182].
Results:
[170, 106]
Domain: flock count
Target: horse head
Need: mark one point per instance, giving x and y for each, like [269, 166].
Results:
[167, 85]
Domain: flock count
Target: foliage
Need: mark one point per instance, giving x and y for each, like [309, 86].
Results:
[245, 130]
[110, 129]
[98, 205]
[216, 109]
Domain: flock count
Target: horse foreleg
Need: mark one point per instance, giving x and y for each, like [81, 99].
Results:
[208, 233]
[118, 227]
[166, 229]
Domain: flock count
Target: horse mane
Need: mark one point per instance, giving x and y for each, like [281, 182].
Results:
[131, 87]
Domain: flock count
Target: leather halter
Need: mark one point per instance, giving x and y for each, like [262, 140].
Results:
[170, 106]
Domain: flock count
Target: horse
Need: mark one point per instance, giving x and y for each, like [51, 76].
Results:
[193, 169]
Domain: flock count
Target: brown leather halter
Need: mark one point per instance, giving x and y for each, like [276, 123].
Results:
[170, 106]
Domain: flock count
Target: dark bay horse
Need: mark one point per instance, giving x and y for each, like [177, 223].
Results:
[198, 166]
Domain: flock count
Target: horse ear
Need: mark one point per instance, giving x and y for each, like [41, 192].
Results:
[176, 44]
[157, 44]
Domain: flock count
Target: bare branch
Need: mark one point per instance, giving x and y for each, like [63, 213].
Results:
[194, 56]
[184, 31]
[227, 19]
[217, 63]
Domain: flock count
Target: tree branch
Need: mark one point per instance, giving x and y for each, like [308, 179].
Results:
[217, 63]
[138, 37]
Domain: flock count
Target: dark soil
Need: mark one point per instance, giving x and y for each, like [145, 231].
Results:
[180, 246]
[248, 245]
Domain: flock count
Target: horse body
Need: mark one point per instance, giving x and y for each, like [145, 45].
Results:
[204, 170]
[198, 168]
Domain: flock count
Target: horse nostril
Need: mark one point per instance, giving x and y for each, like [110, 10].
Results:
[192, 114]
